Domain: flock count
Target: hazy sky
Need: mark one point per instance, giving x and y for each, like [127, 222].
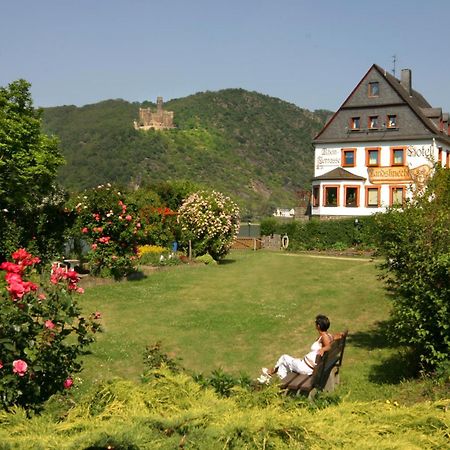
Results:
[311, 53]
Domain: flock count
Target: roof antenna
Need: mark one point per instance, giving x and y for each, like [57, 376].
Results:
[394, 60]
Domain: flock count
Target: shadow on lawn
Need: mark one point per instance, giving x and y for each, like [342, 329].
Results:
[378, 337]
[222, 262]
[396, 368]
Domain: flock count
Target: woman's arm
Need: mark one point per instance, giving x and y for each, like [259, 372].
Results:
[326, 344]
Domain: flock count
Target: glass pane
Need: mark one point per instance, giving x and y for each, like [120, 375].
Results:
[350, 196]
[373, 157]
[349, 158]
[398, 156]
[397, 196]
[373, 122]
[374, 89]
[392, 121]
[316, 196]
[355, 122]
[372, 197]
[331, 196]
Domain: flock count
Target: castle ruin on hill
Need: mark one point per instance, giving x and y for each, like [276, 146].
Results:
[159, 120]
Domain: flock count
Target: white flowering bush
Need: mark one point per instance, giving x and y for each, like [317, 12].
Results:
[211, 221]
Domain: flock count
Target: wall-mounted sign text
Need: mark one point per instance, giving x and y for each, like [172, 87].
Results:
[328, 157]
[425, 151]
[380, 175]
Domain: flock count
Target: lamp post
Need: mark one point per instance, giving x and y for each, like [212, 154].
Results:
[249, 225]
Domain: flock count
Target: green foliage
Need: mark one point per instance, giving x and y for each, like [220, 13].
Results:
[327, 234]
[415, 240]
[42, 332]
[268, 226]
[111, 227]
[31, 212]
[155, 358]
[223, 383]
[250, 145]
[172, 411]
[210, 221]
[206, 259]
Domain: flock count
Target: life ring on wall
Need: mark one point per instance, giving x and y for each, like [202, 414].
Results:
[285, 241]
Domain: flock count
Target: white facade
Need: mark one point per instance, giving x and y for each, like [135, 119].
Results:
[372, 176]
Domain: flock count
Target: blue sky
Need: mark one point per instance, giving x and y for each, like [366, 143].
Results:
[311, 53]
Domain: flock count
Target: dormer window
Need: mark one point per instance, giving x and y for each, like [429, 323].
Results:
[392, 121]
[373, 122]
[355, 123]
[374, 89]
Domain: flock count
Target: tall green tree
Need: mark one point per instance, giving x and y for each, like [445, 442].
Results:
[29, 160]
[415, 240]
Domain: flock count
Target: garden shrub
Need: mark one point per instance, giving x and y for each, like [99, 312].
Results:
[111, 227]
[338, 234]
[210, 220]
[415, 240]
[42, 332]
[206, 259]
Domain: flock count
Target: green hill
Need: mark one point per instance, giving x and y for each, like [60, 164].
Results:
[251, 146]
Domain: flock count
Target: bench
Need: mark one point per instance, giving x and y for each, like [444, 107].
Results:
[325, 375]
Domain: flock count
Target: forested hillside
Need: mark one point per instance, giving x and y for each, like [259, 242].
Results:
[251, 146]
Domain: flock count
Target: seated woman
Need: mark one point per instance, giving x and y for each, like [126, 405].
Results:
[287, 363]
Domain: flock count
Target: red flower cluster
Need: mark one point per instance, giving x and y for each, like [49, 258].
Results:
[166, 211]
[60, 274]
[16, 286]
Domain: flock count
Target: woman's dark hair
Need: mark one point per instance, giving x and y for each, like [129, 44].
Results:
[323, 322]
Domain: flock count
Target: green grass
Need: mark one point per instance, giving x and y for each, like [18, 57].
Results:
[244, 313]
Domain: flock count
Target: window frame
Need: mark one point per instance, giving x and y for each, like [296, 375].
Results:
[370, 89]
[372, 187]
[343, 153]
[391, 194]
[393, 150]
[324, 193]
[316, 198]
[369, 123]
[346, 187]
[387, 121]
[370, 149]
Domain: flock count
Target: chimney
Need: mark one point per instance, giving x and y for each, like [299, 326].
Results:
[406, 81]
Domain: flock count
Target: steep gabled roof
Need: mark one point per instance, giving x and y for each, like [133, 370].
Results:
[416, 102]
[339, 174]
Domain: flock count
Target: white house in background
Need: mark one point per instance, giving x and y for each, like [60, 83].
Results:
[383, 138]
[284, 212]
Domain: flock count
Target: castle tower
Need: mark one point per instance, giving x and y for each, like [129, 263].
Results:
[159, 120]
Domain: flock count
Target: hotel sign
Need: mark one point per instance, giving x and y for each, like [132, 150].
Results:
[381, 175]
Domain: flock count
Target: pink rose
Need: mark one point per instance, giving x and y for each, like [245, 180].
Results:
[20, 367]
[80, 290]
[68, 383]
[97, 315]
[94, 246]
[42, 297]
[1, 364]
[84, 230]
[128, 217]
[49, 324]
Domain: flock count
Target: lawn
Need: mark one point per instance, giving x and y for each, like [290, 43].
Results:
[242, 314]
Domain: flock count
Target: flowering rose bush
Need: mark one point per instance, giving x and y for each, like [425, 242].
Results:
[211, 221]
[42, 332]
[112, 228]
